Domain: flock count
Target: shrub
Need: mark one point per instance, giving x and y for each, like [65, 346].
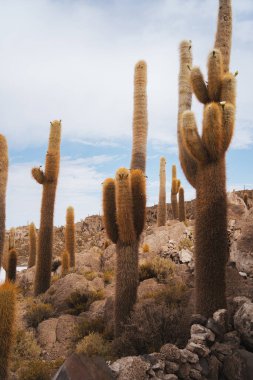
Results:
[35, 370]
[159, 268]
[38, 312]
[185, 243]
[88, 326]
[173, 293]
[145, 248]
[90, 275]
[80, 302]
[94, 344]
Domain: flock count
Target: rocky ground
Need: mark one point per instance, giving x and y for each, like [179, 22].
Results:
[173, 343]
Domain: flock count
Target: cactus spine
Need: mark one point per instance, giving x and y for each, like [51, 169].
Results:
[174, 191]
[70, 235]
[65, 263]
[181, 205]
[12, 266]
[204, 166]
[32, 245]
[162, 207]
[49, 180]
[4, 162]
[124, 208]
[7, 317]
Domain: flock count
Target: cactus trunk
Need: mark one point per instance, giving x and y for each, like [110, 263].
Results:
[32, 245]
[3, 184]
[181, 205]
[162, 207]
[70, 236]
[7, 318]
[49, 181]
[12, 266]
[211, 238]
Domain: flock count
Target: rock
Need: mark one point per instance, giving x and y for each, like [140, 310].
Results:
[185, 256]
[198, 348]
[198, 319]
[243, 322]
[96, 310]
[239, 366]
[171, 367]
[188, 356]
[90, 259]
[184, 371]
[221, 317]
[224, 349]
[206, 333]
[214, 366]
[149, 286]
[243, 274]
[233, 339]
[108, 258]
[194, 374]
[59, 293]
[216, 328]
[171, 352]
[130, 367]
[56, 334]
[81, 367]
[170, 377]
[236, 206]
[204, 366]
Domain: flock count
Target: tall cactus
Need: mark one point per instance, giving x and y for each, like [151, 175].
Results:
[70, 235]
[204, 156]
[175, 185]
[162, 207]
[65, 261]
[12, 236]
[49, 180]
[181, 205]
[7, 318]
[4, 162]
[32, 245]
[124, 207]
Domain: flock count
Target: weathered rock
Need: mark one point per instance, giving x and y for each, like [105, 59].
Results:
[200, 330]
[171, 367]
[185, 256]
[221, 317]
[90, 259]
[198, 319]
[197, 348]
[171, 352]
[214, 366]
[59, 293]
[130, 367]
[239, 366]
[188, 356]
[216, 328]
[194, 374]
[149, 286]
[170, 377]
[236, 206]
[243, 322]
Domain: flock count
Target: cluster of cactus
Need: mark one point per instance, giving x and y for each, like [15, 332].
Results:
[48, 179]
[175, 186]
[203, 158]
[124, 207]
[162, 207]
[7, 318]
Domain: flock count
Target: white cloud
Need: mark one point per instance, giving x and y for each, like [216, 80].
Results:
[74, 60]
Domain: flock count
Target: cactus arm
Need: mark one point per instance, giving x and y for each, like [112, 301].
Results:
[124, 206]
[228, 88]
[192, 139]
[140, 120]
[38, 175]
[228, 121]
[212, 130]
[138, 186]
[224, 32]
[109, 209]
[215, 72]
[198, 85]
[4, 163]
[181, 205]
[187, 162]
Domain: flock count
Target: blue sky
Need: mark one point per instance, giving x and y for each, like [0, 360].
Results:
[74, 60]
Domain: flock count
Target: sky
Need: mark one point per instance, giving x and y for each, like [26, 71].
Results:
[74, 60]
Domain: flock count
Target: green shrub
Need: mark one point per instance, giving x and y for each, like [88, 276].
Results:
[38, 312]
[94, 344]
[185, 243]
[80, 302]
[159, 268]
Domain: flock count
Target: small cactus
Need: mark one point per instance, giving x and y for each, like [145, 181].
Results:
[12, 236]
[65, 263]
[7, 318]
[70, 235]
[181, 205]
[12, 266]
[174, 191]
[32, 245]
[162, 207]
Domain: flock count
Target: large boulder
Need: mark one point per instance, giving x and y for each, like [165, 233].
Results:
[59, 293]
[237, 208]
[89, 260]
[56, 335]
[239, 366]
[243, 322]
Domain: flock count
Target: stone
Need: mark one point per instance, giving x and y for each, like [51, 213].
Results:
[189, 356]
[197, 348]
[59, 293]
[200, 330]
[214, 366]
[224, 349]
[236, 206]
[185, 256]
[171, 352]
[233, 339]
[239, 366]
[171, 367]
[221, 317]
[47, 332]
[204, 366]
[243, 274]
[170, 377]
[198, 319]
[149, 286]
[216, 328]
[184, 371]
[243, 322]
[130, 367]
[194, 374]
